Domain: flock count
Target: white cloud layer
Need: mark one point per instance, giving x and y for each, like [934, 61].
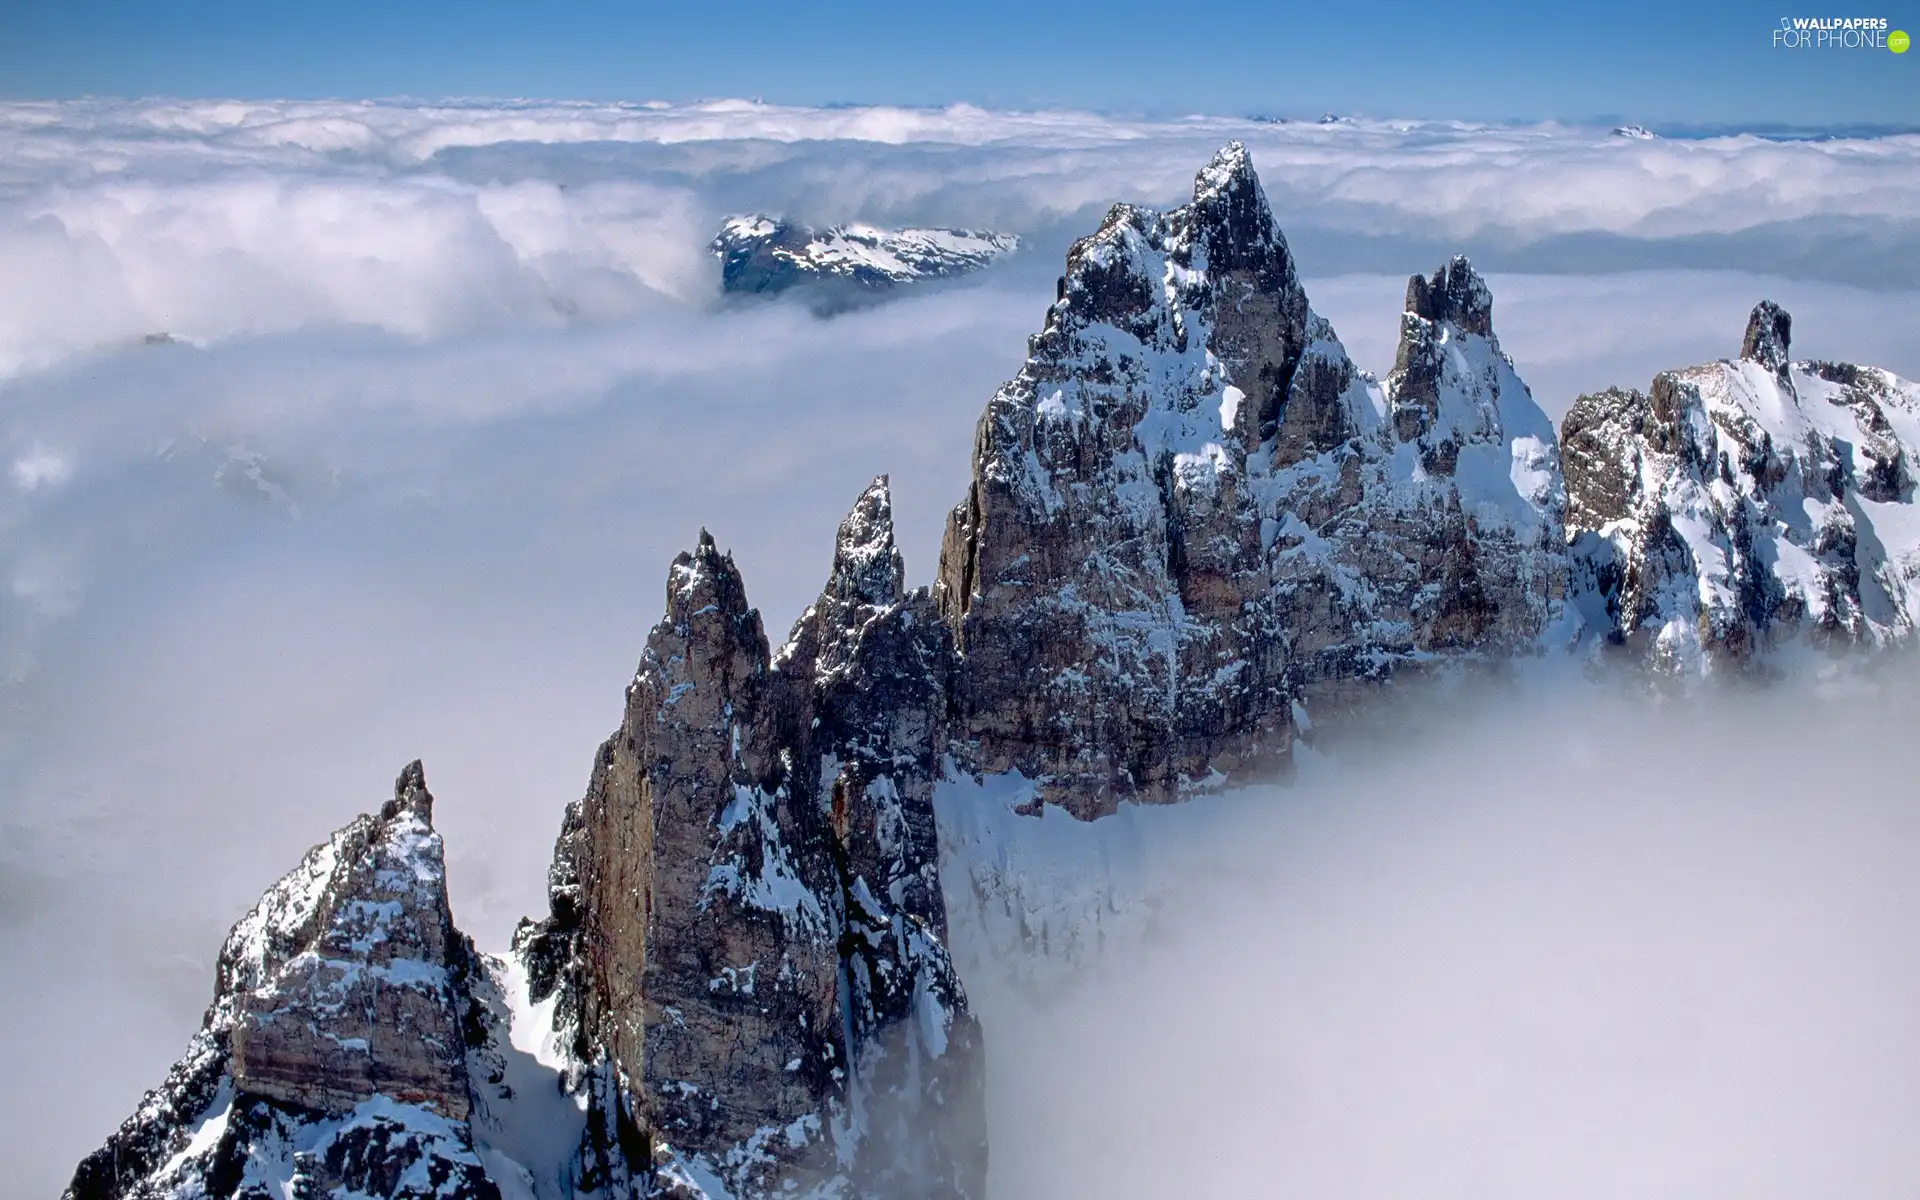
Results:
[1555, 943]
[216, 220]
[448, 385]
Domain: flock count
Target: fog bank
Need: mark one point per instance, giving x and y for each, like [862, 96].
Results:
[1575, 944]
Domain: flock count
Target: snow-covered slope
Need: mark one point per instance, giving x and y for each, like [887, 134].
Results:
[1745, 504]
[760, 254]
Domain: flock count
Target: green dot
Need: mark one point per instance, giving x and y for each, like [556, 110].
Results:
[1898, 41]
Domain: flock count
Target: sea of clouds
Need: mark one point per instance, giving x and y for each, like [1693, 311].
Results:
[1567, 942]
[337, 434]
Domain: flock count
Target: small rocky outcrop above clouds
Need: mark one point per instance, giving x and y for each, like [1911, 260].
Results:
[746, 918]
[1192, 516]
[1769, 335]
[333, 1061]
[845, 264]
[1747, 503]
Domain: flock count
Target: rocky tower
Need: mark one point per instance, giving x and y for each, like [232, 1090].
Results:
[1479, 516]
[1190, 513]
[333, 1059]
[1746, 503]
[746, 920]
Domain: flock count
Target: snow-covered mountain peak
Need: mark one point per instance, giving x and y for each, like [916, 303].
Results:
[1230, 210]
[1457, 400]
[333, 1060]
[1230, 169]
[703, 585]
[1176, 534]
[1748, 503]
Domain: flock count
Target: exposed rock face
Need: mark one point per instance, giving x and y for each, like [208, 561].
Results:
[1191, 512]
[1482, 510]
[874, 664]
[761, 256]
[1744, 503]
[333, 1059]
[746, 918]
[367, 1008]
[1769, 333]
[1455, 294]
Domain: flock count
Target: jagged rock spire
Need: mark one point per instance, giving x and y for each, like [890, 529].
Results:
[382, 944]
[1452, 303]
[867, 567]
[746, 919]
[1455, 295]
[338, 1028]
[1769, 333]
[705, 588]
[1229, 171]
[1455, 292]
[410, 795]
[1231, 207]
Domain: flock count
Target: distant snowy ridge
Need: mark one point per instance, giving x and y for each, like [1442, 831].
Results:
[764, 255]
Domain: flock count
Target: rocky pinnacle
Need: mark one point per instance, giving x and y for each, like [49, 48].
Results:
[1769, 332]
[746, 916]
[333, 1059]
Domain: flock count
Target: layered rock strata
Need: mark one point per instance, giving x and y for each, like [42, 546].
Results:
[332, 1061]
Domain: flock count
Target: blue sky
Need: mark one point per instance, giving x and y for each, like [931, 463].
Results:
[1702, 62]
